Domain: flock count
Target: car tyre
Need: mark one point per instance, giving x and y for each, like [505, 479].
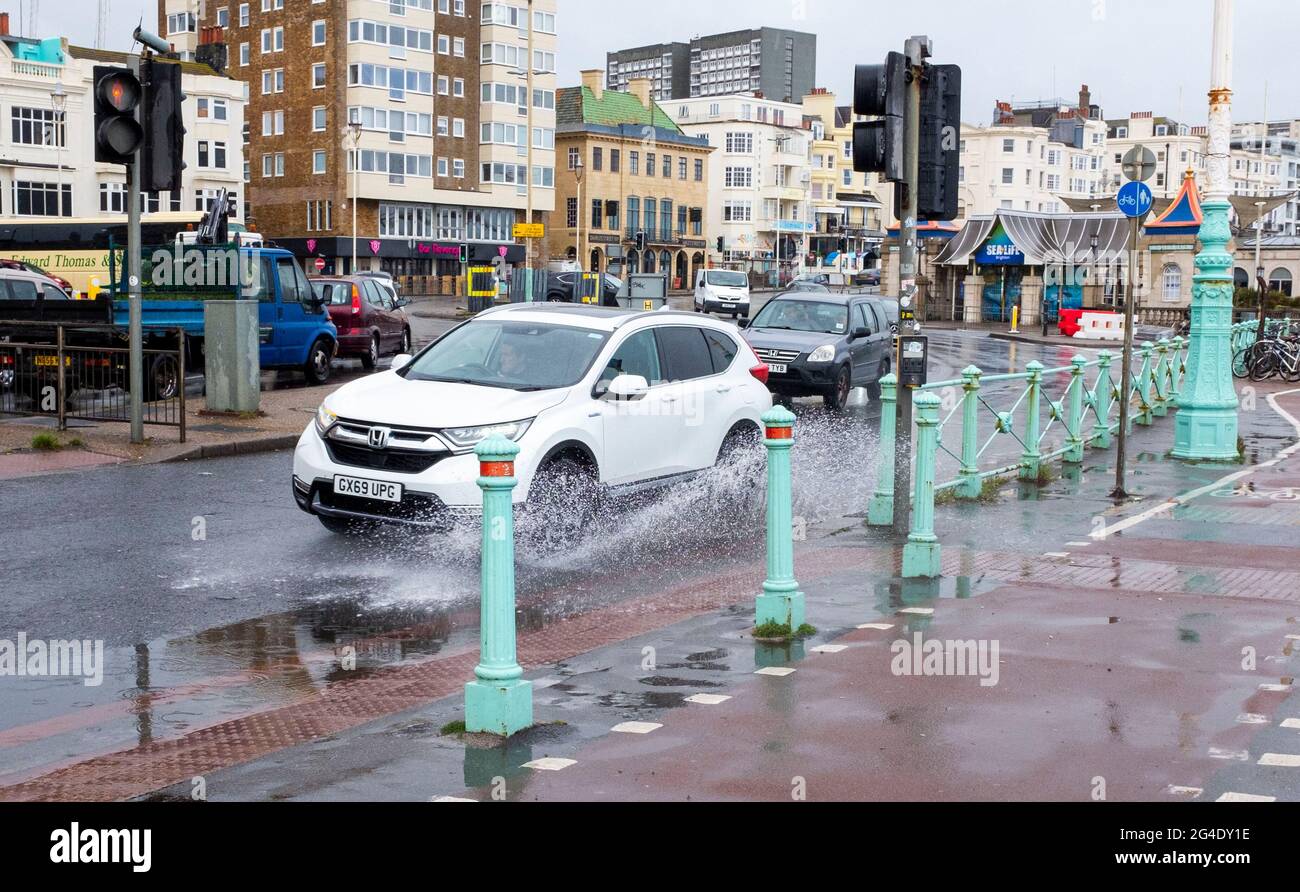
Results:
[563, 501]
[371, 358]
[406, 342]
[163, 381]
[737, 442]
[317, 367]
[873, 389]
[838, 396]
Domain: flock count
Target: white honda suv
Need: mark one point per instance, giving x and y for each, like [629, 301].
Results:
[599, 400]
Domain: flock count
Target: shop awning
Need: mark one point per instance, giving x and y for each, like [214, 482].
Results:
[1043, 239]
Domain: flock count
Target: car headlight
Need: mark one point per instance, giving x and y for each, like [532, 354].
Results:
[465, 437]
[824, 353]
[325, 419]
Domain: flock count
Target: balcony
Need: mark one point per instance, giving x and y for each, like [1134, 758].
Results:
[20, 68]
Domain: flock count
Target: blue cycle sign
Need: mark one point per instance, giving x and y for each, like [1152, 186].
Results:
[1135, 199]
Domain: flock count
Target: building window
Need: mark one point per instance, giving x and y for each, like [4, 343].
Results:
[318, 118]
[223, 17]
[1172, 282]
[32, 199]
[634, 163]
[243, 15]
[243, 54]
[112, 198]
[38, 127]
[318, 161]
[318, 75]
[597, 158]
[574, 155]
[318, 33]
[571, 213]
[699, 170]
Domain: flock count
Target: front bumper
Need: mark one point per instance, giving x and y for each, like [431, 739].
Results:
[714, 305]
[803, 379]
[434, 495]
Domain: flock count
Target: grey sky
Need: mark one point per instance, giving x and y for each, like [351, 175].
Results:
[1136, 55]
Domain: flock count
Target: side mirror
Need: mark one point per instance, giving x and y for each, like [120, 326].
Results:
[401, 361]
[628, 387]
[860, 332]
[743, 322]
[403, 302]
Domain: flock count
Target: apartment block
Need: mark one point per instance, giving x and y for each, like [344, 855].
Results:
[434, 93]
[777, 63]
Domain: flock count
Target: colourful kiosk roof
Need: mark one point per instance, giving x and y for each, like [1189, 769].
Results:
[1183, 216]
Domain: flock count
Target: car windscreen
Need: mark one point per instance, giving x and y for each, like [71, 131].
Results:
[510, 355]
[726, 278]
[803, 315]
[333, 293]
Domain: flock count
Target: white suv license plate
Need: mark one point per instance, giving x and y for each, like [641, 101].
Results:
[777, 368]
[367, 489]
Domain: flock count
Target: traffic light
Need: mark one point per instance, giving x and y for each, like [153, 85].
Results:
[640, 240]
[163, 156]
[940, 154]
[880, 90]
[117, 132]
[464, 253]
[722, 244]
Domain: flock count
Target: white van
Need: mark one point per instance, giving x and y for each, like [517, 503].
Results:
[722, 291]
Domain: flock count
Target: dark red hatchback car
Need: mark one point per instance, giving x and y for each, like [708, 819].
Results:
[368, 315]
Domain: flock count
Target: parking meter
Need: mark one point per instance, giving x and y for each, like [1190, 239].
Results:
[913, 361]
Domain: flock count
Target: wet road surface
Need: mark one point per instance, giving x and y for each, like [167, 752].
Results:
[260, 611]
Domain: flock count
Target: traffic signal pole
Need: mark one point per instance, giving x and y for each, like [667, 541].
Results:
[915, 51]
[134, 322]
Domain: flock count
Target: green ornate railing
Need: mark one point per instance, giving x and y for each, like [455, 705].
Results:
[1082, 399]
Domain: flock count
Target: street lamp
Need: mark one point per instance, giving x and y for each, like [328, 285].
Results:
[1259, 264]
[579, 168]
[352, 143]
[59, 102]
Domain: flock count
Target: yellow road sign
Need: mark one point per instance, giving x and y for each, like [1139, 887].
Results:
[530, 230]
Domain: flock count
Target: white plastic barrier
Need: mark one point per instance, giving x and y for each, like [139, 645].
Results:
[1100, 327]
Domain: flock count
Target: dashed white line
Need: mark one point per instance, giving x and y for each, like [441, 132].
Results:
[708, 699]
[1174, 790]
[1079, 544]
[451, 799]
[1292, 724]
[636, 727]
[1293, 638]
[1245, 797]
[1228, 755]
[917, 611]
[1275, 688]
[1251, 718]
[1057, 554]
[1280, 760]
[878, 627]
[550, 763]
[829, 649]
[775, 671]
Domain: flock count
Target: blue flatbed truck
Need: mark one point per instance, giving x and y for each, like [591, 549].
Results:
[295, 328]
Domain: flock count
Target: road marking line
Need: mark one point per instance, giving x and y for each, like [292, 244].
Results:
[451, 799]
[918, 611]
[1293, 724]
[1245, 797]
[1079, 544]
[636, 727]
[1293, 638]
[775, 671]
[1276, 688]
[1251, 718]
[708, 699]
[829, 649]
[878, 627]
[550, 763]
[1228, 755]
[1057, 554]
[1280, 760]
[1174, 790]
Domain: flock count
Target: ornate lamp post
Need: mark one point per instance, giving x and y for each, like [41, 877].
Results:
[352, 143]
[1206, 427]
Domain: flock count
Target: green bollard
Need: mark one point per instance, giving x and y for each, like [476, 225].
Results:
[921, 553]
[498, 700]
[1102, 398]
[880, 510]
[1032, 458]
[1161, 407]
[1075, 438]
[781, 602]
[971, 484]
[1144, 386]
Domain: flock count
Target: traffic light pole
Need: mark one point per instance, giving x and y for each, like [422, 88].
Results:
[135, 328]
[915, 50]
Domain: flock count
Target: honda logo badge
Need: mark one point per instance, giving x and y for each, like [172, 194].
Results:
[379, 437]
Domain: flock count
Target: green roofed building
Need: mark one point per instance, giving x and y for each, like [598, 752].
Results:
[631, 187]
